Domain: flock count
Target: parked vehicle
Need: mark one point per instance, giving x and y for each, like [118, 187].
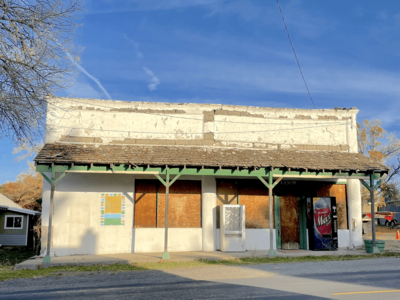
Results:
[393, 206]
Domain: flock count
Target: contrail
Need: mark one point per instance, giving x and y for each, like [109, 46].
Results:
[139, 55]
[88, 75]
[154, 81]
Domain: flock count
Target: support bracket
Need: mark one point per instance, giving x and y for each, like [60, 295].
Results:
[365, 184]
[378, 184]
[277, 181]
[162, 180]
[263, 181]
[45, 177]
[175, 178]
[59, 178]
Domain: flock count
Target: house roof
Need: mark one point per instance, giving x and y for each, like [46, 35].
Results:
[205, 156]
[8, 202]
[20, 210]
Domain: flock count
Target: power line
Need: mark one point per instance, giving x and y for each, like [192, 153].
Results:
[290, 40]
[186, 133]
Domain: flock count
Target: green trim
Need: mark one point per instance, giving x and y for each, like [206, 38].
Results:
[165, 255]
[175, 178]
[302, 223]
[59, 178]
[45, 177]
[365, 184]
[162, 180]
[278, 231]
[263, 181]
[270, 179]
[277, 181]
[46, 259]
[199, 171]
[378, 184]
[341, 182]
[53, 174]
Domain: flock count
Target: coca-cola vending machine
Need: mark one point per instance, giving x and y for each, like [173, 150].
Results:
[322, 223]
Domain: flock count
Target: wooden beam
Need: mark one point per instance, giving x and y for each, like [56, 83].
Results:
[378, 184]
[365, 184]
[45, 177]
[162, 180]
[59, 178]
[263, 181]
[277, 181]
[175, 178]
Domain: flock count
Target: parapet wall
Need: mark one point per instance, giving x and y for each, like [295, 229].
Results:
[91, 121]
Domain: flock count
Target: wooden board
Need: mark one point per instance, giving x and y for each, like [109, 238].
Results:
[227, 192]
[338, 191]
[184, 209]
[290, 229]
[254, 195]
[145, 203]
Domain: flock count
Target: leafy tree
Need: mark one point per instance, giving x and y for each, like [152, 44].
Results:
[35, 60]
[26, 191]
[384, 147]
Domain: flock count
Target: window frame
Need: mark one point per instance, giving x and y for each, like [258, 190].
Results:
[14, 216]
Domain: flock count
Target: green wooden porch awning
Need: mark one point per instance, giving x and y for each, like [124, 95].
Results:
[206, 157]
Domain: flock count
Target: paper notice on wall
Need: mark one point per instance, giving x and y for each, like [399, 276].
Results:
[112, 209]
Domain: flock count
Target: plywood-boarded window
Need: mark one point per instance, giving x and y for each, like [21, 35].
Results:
[254, 195]
[146, 203]
[227, 193]
[251, 193]
[338, 191]
[184, 208]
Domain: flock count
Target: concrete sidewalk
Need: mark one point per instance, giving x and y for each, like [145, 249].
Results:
[128, 258]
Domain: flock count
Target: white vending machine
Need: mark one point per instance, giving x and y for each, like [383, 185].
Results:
[232, 228]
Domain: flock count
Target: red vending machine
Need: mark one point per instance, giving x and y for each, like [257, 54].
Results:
[322, 223]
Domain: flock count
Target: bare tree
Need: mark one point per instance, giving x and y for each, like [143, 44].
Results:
[376, 143]
[35, 50]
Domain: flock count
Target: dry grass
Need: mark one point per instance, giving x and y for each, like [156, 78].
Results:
[7, 273]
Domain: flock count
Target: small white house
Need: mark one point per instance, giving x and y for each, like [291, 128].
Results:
[16, 223]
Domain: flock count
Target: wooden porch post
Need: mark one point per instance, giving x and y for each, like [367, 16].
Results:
[165, 254]
[271, 252]
[53, 182]
[372, 187]
[371, 182]
[270, 185]
[167, 183]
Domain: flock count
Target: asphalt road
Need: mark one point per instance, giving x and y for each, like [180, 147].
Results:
[364, 279]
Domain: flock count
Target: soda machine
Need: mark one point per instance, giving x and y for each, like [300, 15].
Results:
[322, 223]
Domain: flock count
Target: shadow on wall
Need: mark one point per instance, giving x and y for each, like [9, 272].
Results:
[76, 217]
[95, 183]
[88, 245]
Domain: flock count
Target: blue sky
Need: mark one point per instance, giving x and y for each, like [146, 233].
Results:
[237, 52]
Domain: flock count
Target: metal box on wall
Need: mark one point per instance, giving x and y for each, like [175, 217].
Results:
[232, 229]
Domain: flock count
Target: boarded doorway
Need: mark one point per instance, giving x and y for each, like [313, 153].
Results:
[290, 227]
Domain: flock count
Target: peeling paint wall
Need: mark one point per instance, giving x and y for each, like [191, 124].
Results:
[144, 123]
[77, 228]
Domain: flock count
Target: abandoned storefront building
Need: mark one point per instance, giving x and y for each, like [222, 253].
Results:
[116, 174]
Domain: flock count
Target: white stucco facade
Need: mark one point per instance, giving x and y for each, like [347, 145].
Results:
[76, 217]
